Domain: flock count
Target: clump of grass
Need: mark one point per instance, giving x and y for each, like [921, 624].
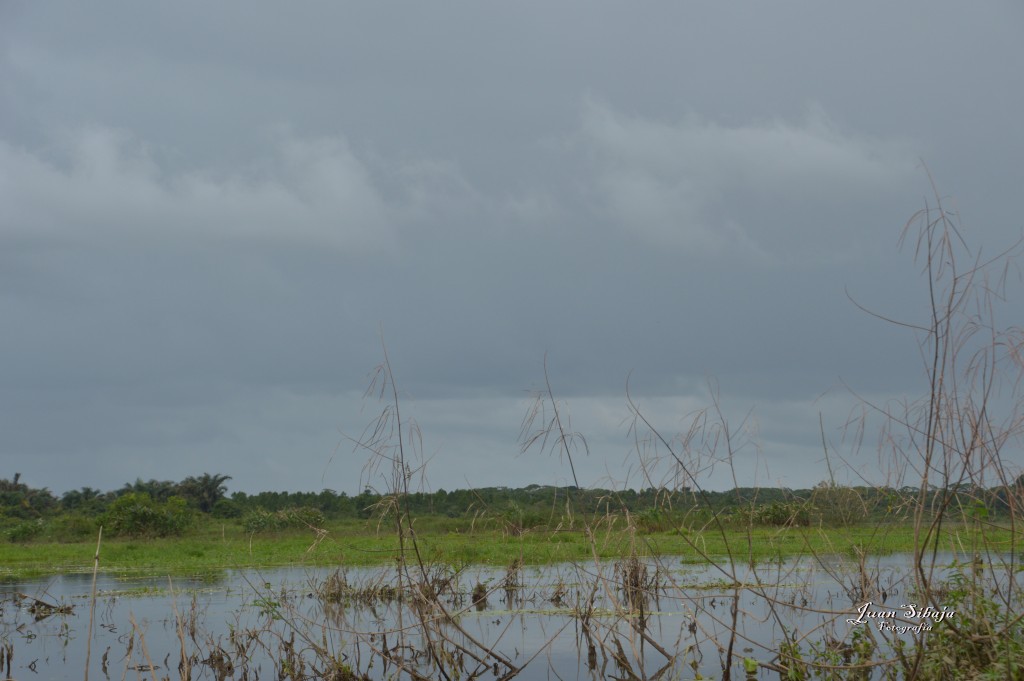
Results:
[635, 581]
[479, 596]
[335, 588]
[559, 593]
[512, 583]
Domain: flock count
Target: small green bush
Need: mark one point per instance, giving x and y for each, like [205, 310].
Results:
[226, 508]
[26, 531]
[137, 515]
[304, 517]
[258, 521]
[287, 518]
[775, 514]
[72, 527]
[838, 506]
[656, 519]
[516, 520]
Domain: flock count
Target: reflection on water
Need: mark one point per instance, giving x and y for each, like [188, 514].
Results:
[629, 619]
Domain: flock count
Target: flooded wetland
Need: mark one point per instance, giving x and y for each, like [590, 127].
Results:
[627, 619]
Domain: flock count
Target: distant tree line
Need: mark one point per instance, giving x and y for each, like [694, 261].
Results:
[18, 500]
[163, 507]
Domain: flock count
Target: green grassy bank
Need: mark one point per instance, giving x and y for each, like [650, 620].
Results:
[216, 545]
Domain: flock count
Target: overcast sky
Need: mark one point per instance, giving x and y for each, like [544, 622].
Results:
[211, 214]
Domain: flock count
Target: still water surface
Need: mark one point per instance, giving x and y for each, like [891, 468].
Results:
[561, 621]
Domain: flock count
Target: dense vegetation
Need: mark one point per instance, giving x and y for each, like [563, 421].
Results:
[162, 508]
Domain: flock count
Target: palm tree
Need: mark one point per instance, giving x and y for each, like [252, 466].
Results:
[12, 485]
[158, 490]
[76, 499]
[204, 491]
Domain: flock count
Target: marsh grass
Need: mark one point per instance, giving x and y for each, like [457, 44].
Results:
[216, 546]
[211, 553]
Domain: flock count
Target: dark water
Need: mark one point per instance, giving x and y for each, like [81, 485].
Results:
[564, 621]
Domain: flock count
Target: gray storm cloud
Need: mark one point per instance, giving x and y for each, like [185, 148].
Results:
[211, 214]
